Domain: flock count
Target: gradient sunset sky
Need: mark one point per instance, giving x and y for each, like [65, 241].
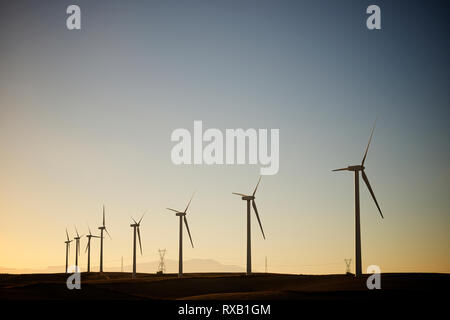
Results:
[86, 118]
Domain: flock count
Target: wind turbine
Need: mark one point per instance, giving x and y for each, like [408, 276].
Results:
[88, 248]
[67, 242]
[77, 247]
[182, 215]
[101, 228]
[135, 227]
[249, 244]
[357, 169]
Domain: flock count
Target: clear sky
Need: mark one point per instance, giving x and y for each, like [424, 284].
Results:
[86, 118]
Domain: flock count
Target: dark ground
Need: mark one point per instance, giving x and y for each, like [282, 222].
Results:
[120, 286]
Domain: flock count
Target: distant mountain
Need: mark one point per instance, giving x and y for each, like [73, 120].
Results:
[192, 265]
[189, 266]
[13, 270]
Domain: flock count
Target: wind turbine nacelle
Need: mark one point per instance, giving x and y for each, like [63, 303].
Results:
[248, 198]
[180, 214]
[356, 168]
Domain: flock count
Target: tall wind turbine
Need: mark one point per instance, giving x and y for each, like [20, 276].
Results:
[101, 228]
[182, 215]
[77, 247]
[135, 227]
[357, 169]
[249, 244]
[67, 242]
[88, 248]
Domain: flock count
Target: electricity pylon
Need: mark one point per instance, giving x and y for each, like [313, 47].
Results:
[162, 264]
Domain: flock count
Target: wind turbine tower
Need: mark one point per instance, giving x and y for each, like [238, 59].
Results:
[357, 169]
[266, 264]
[136, 225]
[88, 249]
[77, 247]
[67, 242]
[249, 244]
[182, 215]
[102, 228]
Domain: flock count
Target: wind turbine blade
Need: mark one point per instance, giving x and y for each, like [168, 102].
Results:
[189, 202]
[342, 169]
[134, 220]
[257, 216]
[87, 246]
[90, 233]
[142, 217]
[108, 233]
[67, 234]
[256, 188]
[189, 232]
[174, 210]
[77, 232]
[366, 180]
[139, 236]
[368, 144]
[103, 215]
[240, 194]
